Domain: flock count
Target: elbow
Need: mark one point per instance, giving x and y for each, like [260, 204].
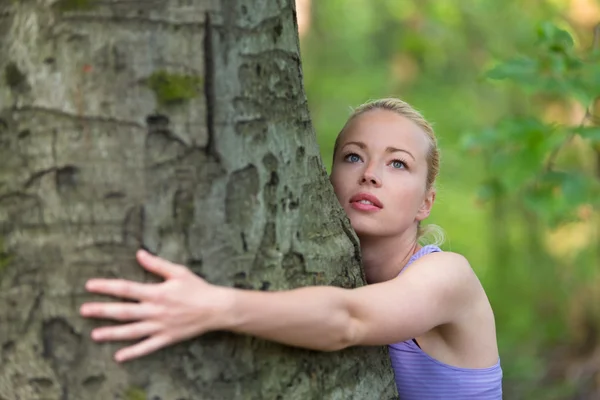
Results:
[348, 335]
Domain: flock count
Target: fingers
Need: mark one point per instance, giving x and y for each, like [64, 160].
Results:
[121, 288]
[119, 311]
[143, 348]
[159, 266]
[132, 331]
[135, 290]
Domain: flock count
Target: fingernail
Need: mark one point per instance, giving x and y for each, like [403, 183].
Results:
[147, 250]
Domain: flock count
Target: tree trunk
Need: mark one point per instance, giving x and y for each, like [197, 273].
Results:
[181, 126]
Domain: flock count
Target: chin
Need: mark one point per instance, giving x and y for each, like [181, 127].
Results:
[366, 229]
[372, 228]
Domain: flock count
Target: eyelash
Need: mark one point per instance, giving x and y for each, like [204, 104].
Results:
[391, 162]
[347, 156]
[400, 161]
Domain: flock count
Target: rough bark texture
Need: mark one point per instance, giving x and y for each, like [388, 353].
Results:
[182, 126]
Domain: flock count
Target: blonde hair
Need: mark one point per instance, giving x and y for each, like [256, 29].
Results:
[430, 234]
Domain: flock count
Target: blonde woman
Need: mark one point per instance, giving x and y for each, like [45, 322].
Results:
[427, 305]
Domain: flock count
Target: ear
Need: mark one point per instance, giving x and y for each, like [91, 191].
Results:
[426, 206]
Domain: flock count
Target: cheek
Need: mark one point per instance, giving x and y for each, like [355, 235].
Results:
[338, 177]
[408, 196]
[336, 182]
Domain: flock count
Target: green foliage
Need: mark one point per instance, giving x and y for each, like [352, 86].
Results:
[484, 73]
[173, 88]
[555, 67]
[549, 170]
[588, 132]
[524, 151]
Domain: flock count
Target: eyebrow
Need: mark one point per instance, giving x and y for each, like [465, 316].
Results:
[388, 149]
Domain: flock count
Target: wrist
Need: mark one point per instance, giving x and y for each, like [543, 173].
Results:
[226, 312]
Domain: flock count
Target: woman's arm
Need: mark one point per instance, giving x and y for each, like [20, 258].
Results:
[433, 291]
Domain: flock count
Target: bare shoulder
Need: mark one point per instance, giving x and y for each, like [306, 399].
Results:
[447, 273]
[461, 316]
[445, 263]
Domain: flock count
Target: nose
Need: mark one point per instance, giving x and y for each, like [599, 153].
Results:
[369, 177]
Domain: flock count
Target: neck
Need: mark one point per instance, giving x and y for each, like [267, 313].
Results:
[384, 258]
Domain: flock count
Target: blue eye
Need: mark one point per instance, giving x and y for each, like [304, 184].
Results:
[398, 164]
[352, 157]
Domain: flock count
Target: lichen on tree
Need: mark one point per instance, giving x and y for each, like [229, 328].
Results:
[135, 393]
[171, 88]
[75, 5]
[5, 258]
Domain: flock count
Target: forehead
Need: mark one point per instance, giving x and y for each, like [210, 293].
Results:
[380, 129]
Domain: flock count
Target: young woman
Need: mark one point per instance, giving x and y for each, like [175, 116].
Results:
[427, 305]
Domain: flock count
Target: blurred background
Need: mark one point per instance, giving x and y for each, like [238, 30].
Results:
[512, 90]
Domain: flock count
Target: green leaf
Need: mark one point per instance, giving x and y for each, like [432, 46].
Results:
[574, 188]
[588, 78]
[518, 69]
[582, 91]
[556, 39]
[518, 150]
[588, 132]
[557, 195]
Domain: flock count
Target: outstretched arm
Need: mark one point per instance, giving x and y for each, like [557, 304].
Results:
[432, 292]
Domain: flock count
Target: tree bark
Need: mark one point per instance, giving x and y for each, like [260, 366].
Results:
[181, 126]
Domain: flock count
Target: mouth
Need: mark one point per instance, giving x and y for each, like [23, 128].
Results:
[365, 202]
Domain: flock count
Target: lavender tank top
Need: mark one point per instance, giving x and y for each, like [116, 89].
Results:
[421, 377]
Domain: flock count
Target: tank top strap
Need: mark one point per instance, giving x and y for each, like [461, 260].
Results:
[428, 249]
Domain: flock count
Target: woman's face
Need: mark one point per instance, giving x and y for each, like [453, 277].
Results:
[379, 174]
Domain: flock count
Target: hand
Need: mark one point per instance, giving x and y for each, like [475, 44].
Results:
[181, 307]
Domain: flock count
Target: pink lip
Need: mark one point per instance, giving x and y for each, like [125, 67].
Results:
[376, 206]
